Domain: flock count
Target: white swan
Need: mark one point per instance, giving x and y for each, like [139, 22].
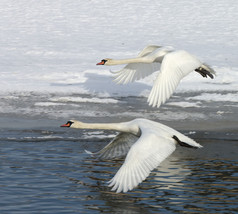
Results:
[145, 144]
[174, 66]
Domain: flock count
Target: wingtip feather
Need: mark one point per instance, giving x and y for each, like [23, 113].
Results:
[88, 152]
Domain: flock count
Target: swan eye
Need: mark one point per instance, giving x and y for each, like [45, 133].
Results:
[68, 124]
[102, 62]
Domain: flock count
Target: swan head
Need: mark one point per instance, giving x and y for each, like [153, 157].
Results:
[68, 124]
[104, 62]
[72, 124]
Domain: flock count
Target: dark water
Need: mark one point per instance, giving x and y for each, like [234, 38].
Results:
[47, 171]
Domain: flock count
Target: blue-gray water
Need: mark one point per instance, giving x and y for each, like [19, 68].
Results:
[44, 169]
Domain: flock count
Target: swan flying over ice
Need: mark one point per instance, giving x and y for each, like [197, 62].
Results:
[145, 144]
[175, 64]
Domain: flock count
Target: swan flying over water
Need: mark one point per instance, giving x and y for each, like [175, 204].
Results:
[145, 144]
[175, 64]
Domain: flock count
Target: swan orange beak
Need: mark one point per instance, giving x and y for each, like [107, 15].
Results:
[100, 63]
[66, 125]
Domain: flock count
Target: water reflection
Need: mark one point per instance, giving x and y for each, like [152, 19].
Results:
[57, 176]
[188, 185]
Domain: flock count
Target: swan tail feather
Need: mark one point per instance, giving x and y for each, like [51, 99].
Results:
[205, 70]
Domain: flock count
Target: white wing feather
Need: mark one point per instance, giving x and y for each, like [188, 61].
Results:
[135, 71]
[117, 148]
[145, 155]
[149, 49]
[174, 67]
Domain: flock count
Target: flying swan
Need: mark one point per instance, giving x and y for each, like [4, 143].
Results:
[145, 144]
[175, 64]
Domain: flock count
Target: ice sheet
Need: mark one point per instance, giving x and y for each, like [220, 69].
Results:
[53, 46]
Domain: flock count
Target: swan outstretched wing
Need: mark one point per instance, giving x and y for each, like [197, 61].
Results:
[146, 154]
[135, 71]
[117, 148]
[149, 49]
[174, 67]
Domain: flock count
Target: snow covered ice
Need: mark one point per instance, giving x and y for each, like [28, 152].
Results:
[49, 50]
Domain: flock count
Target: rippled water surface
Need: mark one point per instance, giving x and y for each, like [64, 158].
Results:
[49, 172]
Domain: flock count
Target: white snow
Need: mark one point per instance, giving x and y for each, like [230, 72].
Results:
[184, 104]
[48, 104]
[227, 97]
[84, 100]
[53, 46]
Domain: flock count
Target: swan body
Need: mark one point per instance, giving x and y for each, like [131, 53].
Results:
[175, 64]
[145, 144]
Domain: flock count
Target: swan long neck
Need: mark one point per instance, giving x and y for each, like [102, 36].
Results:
[126, 61]
[121, 127]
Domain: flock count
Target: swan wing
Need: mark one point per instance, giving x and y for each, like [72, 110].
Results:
[174, 67]
[135, 71]
[149, 49]
[145, 155]
[117, 148]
